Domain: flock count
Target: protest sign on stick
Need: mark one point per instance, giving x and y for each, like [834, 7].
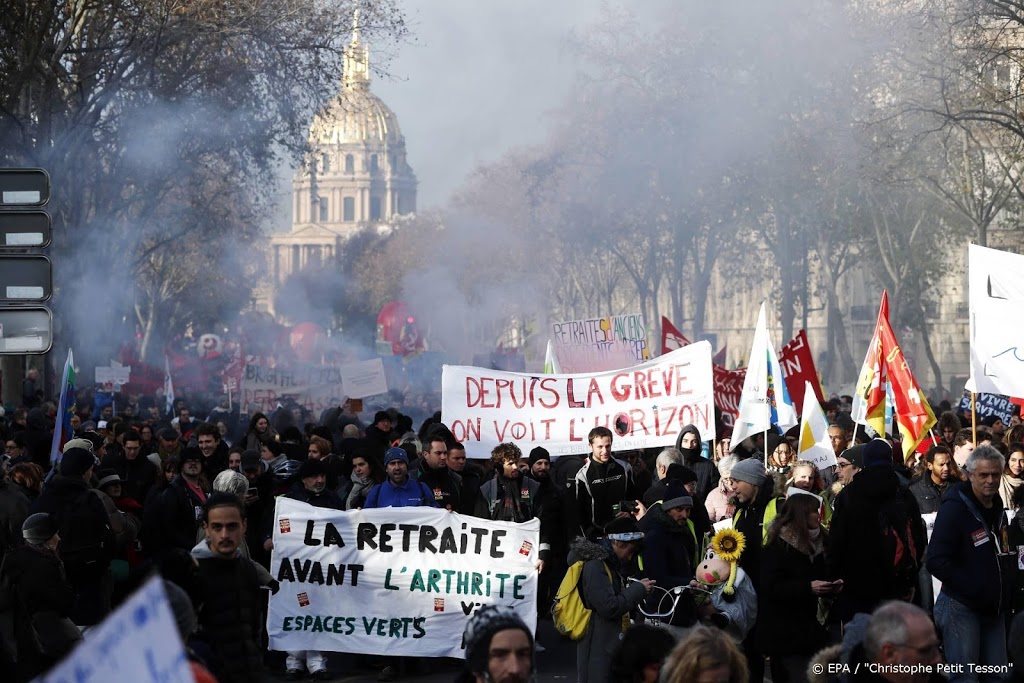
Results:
[645, 406]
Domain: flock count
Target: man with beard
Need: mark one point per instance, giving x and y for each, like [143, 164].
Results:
[172, 519]
[754, 491]
[670, 547]
[311, 488]
[509, 496]
[601, 485]
[935, 481]
[230, 605]
[550, 497]
[688, 444]
[138, 474]
[471, 475]
[433, 471]
[499, 647]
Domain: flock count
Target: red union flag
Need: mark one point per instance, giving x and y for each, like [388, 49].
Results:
[671, 338]
[728, 388]
[797, 363]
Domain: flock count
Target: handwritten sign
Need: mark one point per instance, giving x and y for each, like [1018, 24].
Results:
[118, 375]
[138, 642]
[365, 378]
[599, 344]
[645, 406]
[988, 405]
[310, 386]
[400, 581]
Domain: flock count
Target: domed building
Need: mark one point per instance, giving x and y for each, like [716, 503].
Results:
[356, 176]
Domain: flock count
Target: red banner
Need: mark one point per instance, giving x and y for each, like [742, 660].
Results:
[797, 363]
[728, 387]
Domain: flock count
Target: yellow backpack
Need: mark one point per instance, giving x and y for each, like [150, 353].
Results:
[568, 612]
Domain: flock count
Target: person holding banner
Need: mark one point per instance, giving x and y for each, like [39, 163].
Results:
[601, 484]
[398, 489]
[510, 496]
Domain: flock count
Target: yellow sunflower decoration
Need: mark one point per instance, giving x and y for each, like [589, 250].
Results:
[728, 545]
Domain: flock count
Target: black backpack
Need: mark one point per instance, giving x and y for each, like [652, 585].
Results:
[86, 540]
[900, 548]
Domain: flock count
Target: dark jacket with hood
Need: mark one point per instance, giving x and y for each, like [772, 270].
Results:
[139, 474]
[325, 499]
[610, 601]
[967, 552]
[749, 520]
[171, 520]
[669, 557]
[706, 471]
[860, 550]
[599, 487]
[515, 500]
[38, 438]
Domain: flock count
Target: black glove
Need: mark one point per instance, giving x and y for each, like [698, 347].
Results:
[274, 586]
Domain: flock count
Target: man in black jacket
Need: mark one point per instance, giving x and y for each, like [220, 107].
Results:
[137, 472]
[601, 485]
[929, 489]
[433, 471]
[969, 553]
[172, 519]
[229, 600]
[670, 548]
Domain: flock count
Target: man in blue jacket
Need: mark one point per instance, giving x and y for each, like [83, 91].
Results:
[398, 490]
[969, 553]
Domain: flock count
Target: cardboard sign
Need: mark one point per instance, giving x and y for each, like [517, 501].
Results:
[365, 378]
[600, 344]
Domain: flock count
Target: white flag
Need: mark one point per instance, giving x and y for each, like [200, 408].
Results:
[764, 399]
[168, 386]
[551, 366]
[996, 298]
[814, 442]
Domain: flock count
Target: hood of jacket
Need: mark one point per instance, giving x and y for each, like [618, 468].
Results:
[689, 454]
[875, 483]
[582, 550]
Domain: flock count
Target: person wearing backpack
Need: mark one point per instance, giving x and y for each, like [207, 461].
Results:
[970, 554]
[86, 539]
[876, 539]
[604, 590]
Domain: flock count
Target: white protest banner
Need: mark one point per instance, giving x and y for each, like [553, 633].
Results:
[137, 642]
[310, 386]
[394, 581]
[995, 295]
[365, 378]
[645, 406]
[599, 344]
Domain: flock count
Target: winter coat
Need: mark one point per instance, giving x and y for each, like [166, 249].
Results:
[1007, 486]
[610, 601]
[749, 520]
[706, 471]
[38, 438]
[410, 494]
[139, 474]
[927, 494]
[38, 584]
[445, 485]
[789, 610]
[229, 615]
[600, 487]
[717, 504]
[1015, 533]
[516, 500]
[969, 555]
[324, 499]
[859, 551]
[669, 556]
[13, 511]
[171, 519]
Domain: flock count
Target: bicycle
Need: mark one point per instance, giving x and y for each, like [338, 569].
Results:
[663, 619]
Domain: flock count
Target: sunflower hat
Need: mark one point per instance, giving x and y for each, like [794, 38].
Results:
[728, 545]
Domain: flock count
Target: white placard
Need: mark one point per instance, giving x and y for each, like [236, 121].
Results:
[645, 406]
[394, 581]
[600, 344]
[138, 642]
[113, 375]
[365, 378]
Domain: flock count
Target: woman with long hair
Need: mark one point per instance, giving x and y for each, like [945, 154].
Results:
[259, 432]
[367, 472]
[793, 565]
[1013, 474]
[781, 455]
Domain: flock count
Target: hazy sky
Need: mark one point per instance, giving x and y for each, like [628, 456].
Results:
[476, 78]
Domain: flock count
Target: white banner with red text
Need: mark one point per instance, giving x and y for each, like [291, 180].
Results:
[394, 581]
[645, 406]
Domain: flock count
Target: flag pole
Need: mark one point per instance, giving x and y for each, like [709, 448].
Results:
[974, 419]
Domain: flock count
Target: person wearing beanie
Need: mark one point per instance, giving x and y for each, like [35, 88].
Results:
[38, 586]
[511, 496]
[688, 443]
[603, 582]
[670, 547]
[868, 514]
[499, 647]
[432, 470]
[755, 492]
[87, 539]
[378, 434]
[398, 489]
[551, 500]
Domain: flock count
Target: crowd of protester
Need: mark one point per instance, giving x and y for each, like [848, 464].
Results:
[843, 559]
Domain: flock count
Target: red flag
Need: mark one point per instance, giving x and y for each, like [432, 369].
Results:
[914, 417]
[671, 338]
[797, 363]
[871, 383]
